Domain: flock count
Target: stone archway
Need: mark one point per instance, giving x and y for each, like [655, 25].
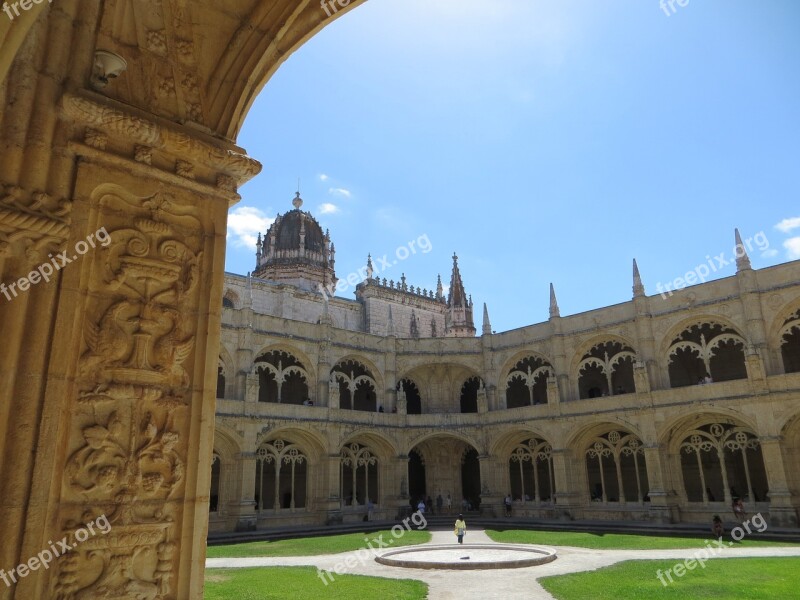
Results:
[109, 364]
[450, 466]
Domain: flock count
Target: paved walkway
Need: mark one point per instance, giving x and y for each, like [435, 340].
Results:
[507, 584]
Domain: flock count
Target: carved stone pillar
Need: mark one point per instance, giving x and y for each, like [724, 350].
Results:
[123, 410]
[333, 393]
[552, 391]
[483, 401]
[251, 387]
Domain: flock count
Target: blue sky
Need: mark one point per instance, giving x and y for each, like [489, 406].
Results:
[542, 140]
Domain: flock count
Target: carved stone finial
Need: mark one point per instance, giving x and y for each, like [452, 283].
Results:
[742, 259]
[298, 201]
[554, 310]
[638, 287]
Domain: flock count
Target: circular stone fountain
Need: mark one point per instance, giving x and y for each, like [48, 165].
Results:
[468, 556]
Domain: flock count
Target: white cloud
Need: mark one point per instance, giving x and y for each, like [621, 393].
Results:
[244, 225]
[323, 177]
[792, 246]
[771, 253]
[788, 224]
[328, 209]
[341, 192]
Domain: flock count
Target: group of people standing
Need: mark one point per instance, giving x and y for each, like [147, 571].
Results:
[426, 505]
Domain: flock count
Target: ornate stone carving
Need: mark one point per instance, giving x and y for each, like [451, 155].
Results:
[143, 336]
[31, 224]
[115, 122]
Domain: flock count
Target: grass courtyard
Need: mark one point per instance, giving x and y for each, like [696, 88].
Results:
[331, 544]
[722, 579]
[286, 583]
[612, 541]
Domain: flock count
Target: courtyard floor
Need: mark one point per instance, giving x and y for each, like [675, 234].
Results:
[508, 584]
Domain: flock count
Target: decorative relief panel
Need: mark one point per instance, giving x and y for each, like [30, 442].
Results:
[128, 446]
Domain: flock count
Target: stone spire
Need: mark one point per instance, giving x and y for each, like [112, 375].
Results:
[638, 287]
[487, 325]
[742, 259]
[370, 269]
[439, 288]
[554, 311]
[459, 310]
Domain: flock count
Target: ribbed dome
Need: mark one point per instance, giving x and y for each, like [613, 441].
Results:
[287, 231]
[296, 251]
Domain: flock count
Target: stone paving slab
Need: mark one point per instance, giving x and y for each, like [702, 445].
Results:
[503, 584]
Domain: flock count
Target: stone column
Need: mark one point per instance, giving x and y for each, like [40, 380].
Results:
[783, 511]
[571, 493]
[251, 388]
[663, 502]
[491, 494]
[396, 484]
[243, 509]
[331, 497]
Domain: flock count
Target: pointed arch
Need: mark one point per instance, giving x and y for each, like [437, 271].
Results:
[704, 352]
[526, 381]
[605, 368]
[282, 378]
[358, 388]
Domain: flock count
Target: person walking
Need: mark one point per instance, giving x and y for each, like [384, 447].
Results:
[449, 504]
[421, 505]
[439, 504]
[460, 529]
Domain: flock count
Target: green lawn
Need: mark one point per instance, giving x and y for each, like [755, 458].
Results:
[611, 541]
[722, 578]
[332, 544]
[301, 583]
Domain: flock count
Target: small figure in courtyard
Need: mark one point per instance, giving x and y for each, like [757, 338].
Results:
[421, 506]
[460, 529]
[439, 504]
[429, 504]
[380, 408]
[707, 379]
[508, 503]
[716, 528]
[738, 510]
[449, 504]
